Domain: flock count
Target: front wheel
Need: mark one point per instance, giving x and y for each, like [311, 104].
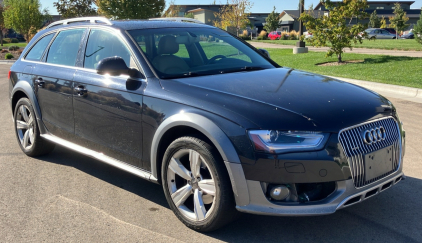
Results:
[196, 185]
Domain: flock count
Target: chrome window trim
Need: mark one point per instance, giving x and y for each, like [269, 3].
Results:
[399, 143]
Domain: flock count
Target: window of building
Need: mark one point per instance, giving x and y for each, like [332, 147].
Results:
[64, 49]
[380, 7]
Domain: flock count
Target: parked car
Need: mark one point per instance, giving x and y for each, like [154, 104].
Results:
[379, 34]
[274, 35]
[222, 127]
[408, 36]
[391, 30]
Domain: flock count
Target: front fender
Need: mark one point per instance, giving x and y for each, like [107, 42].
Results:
[219, 140]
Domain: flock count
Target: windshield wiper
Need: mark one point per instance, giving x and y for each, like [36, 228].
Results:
[242, 69]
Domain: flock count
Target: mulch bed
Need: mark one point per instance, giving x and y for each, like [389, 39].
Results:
[339, 64]
[15, 54]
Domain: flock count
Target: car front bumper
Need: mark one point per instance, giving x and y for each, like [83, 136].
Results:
[345, 195]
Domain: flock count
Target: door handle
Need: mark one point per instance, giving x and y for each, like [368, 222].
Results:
[40, 83]
[80, 90]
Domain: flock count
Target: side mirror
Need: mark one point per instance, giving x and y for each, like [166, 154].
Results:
[114, 66]
[265, 52]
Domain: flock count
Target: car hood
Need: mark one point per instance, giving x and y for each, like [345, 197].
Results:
[282, 98]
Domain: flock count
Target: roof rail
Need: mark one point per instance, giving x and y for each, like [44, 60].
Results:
[81, 19]
[178, 19]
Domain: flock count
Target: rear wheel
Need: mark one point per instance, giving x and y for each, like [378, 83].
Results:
[196, 185]
[27, 131]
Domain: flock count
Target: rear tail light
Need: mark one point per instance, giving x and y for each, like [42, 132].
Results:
[8, 75]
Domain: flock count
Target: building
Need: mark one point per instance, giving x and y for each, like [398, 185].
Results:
[206, 13]
[289, 18]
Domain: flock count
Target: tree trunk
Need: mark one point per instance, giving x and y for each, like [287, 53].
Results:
[339, 58]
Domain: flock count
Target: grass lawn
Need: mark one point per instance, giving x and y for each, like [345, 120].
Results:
[20, 44]
[405, 71]
[400, 44]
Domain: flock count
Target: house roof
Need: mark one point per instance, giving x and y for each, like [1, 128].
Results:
[374, 2]
[296, 13]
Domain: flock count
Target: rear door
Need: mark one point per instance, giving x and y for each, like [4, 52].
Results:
[53, 78]
[107, 115]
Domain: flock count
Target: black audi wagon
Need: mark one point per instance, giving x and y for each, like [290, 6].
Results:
[222, 127]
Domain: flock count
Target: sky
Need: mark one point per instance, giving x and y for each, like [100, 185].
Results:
[259, 6]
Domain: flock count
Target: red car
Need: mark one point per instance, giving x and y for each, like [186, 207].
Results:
[274, 35]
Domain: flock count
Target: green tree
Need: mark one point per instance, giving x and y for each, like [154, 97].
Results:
[398, 21]
[190, 15]
[383, 22]
[24, 16]
[417, 30]
[234, 14]
[173, 10]
[133, 9]
[75, 8]
[272, 21]
[335, 30]
[374, 20]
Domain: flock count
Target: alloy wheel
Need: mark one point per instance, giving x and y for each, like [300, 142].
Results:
[25, 127]
[192, 190]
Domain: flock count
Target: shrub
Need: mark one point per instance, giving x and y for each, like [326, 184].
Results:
[8, 56]
[284, 36]
[245, 32]
[14, 40]
[244, 37]
[7, 40]
[4, 51]
[263, 35]
[13, 48]
[292, 37]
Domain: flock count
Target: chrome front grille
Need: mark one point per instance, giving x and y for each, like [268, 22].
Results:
[355, 148]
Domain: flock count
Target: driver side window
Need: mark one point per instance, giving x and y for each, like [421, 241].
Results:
[102, 44]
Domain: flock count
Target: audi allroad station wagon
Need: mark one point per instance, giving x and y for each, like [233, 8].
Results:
[222, 127]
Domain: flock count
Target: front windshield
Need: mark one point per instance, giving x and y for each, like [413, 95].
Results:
[187, 52]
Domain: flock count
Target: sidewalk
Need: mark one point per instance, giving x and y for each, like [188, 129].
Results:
[355, 50]
[388, 90]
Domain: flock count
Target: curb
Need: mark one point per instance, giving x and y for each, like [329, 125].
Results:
[7, 62]
[406, 92]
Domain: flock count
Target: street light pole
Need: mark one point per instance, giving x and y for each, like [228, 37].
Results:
[301, 10]
[300, 45]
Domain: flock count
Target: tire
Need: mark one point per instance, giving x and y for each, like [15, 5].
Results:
[27, 132]
[207, 186]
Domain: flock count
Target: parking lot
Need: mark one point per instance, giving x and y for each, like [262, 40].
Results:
[66, 197]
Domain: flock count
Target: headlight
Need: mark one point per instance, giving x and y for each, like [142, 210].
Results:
[274, 142]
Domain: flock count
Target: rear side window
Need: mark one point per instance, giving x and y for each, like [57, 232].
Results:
[64, 49]
[36, 52]
[102, 44]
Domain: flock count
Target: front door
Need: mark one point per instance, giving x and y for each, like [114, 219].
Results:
[107, 115]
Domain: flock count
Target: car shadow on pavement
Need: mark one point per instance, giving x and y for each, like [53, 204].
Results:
[108, 173]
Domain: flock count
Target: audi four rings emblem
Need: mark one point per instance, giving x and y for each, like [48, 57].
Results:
[374, 135]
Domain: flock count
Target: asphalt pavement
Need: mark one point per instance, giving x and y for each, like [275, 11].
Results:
[66, 197]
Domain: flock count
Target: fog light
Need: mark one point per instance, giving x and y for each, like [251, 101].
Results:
[279, 192]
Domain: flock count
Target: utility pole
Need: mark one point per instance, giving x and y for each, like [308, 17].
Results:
[300, 45]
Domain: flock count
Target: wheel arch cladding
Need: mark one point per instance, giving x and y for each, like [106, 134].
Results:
[216, 136]
[24, 89]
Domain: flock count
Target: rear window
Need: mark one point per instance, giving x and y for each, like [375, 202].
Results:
[36, 52]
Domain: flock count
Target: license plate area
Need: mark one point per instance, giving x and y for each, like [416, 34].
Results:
[378, 163]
